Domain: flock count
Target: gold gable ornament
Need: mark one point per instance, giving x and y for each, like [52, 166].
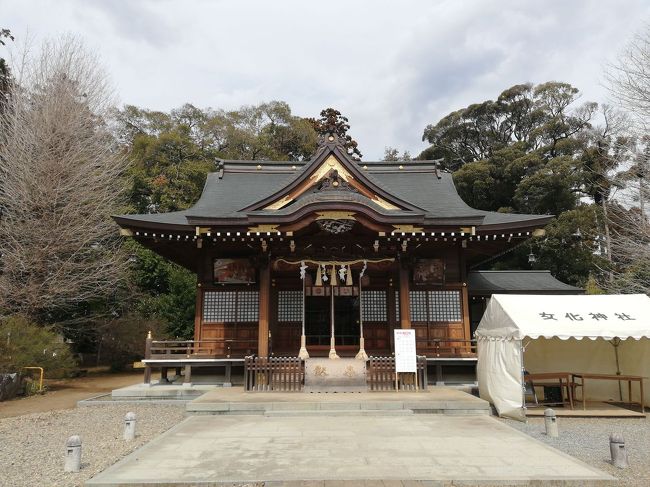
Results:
[324, 171]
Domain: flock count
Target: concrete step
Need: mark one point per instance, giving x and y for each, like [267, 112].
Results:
[158, 392]
[338, 412]
[348, 407]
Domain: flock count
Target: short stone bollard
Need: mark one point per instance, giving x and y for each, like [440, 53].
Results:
[550, 421]
[618, 451]
[73, 454]
[129, 426]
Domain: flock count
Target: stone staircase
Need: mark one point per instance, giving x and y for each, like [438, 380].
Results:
[435, 400]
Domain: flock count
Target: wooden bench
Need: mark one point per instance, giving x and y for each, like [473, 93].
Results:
[620, 378]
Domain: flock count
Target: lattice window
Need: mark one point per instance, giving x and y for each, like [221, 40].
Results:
[289, 306]
[418, 305]
[219, 306]
[230, 306]
[397, 316]
[248, 306]
[436, 306]
[444, 306]
[374, 305]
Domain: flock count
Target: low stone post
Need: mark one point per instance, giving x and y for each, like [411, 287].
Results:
[550, 421]
[129, 426]
[73, 454]
[618, 451]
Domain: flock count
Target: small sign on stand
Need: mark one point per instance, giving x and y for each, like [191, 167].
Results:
[405, 355]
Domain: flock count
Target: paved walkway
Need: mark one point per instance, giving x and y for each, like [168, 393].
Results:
[238, 449]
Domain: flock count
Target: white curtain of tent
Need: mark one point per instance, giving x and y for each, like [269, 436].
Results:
[549, 325]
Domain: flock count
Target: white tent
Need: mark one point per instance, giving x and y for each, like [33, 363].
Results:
[546, 334]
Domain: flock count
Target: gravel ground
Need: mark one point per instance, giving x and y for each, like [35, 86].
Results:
[32, 447]
[588, 440]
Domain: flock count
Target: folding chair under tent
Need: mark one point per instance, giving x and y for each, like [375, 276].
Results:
[542, 333]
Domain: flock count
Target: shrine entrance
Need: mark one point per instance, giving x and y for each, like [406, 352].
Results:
[346, 322]
[345, 311]
[317, 321]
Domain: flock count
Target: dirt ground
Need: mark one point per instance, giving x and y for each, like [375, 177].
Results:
[64, 393]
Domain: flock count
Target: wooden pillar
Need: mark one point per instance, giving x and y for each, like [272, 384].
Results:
[465, 300]
[404, 297]
[198, 312]
[264, 312]
[466, 320]
[392, 314]
[147, 355]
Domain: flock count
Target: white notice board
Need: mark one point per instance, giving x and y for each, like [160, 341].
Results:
[405, 356]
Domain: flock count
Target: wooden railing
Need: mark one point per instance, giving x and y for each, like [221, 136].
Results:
[446, 347]
[180, 349]
[380, 375]
[280, 374]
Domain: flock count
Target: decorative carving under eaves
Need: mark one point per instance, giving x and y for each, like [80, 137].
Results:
[336, 226]
[334, 182]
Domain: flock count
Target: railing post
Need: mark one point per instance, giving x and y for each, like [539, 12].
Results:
[147, 346]
[147, 355]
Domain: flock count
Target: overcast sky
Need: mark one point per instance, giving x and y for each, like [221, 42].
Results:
[391, 67]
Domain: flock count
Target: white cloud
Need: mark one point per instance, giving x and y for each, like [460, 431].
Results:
[391, 67]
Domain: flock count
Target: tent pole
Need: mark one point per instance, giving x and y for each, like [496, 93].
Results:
[615, 343]
[521, 380]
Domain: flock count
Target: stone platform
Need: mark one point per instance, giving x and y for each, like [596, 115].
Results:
[352, 451]
[157, 391]
[435, 400]
[341, 375]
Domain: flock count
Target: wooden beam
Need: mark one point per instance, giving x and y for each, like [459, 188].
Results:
[264, 312]
[404, 297]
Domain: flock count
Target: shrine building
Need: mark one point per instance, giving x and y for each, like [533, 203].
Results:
[326, 257]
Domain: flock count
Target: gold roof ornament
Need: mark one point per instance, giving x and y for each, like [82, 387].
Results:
[264, 228]
[335, 215]
[407, 229]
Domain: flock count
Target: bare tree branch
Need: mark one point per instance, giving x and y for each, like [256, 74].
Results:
[60, 179]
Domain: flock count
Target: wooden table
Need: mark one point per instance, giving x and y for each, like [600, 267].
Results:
[627, 378]
[562, 378]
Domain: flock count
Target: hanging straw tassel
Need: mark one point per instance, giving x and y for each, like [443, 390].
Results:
[348, 276]
[333, 277]
[319, 279]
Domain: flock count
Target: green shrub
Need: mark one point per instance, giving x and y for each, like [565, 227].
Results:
[123, 339]
[26, 344]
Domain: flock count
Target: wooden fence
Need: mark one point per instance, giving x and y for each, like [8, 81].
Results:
[446, 347]
[280, 374]
[181, 349]
[287, 374]
[380, 375]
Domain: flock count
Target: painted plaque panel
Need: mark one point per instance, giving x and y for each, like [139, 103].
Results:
[233, 271]
[429, 271]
